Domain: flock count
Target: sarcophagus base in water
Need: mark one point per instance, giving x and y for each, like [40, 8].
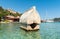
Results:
[30, 20]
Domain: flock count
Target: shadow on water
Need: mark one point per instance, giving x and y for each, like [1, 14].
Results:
[13, 31]
[30, 34]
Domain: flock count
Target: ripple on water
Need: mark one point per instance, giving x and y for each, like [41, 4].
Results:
[12, 31]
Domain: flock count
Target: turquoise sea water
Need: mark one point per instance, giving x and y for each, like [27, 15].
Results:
[50, 30]
[13, 31]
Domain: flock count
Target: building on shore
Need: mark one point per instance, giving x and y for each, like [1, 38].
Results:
[11, 11]
[12, 18]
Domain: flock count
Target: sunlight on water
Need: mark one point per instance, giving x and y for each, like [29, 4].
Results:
[13, 31]
[50, 30]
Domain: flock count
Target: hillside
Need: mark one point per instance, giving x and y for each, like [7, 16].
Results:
[5, 12]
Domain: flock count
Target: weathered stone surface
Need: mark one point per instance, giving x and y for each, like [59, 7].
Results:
[30, 16]
[31, 19]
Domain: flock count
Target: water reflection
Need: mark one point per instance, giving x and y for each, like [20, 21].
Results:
[31, 34]
[13, 31]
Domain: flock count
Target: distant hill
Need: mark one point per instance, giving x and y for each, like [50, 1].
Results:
[5, 12]
[56, 19]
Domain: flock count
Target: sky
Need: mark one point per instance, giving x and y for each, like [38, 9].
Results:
[48, 9]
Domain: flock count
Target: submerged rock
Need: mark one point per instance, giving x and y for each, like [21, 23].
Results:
[31, 17]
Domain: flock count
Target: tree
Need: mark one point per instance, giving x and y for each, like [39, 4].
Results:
[1, 9]
[57, 19]
[4, 13]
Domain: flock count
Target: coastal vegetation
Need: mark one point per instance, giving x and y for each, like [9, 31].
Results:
[5, 12]
[56, 19]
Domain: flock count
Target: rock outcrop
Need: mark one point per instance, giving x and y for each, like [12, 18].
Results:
[31, 18]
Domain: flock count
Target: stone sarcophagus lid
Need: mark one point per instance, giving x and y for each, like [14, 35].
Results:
[30, 20]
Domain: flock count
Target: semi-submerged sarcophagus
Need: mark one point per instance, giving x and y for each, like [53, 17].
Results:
[30, 20]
